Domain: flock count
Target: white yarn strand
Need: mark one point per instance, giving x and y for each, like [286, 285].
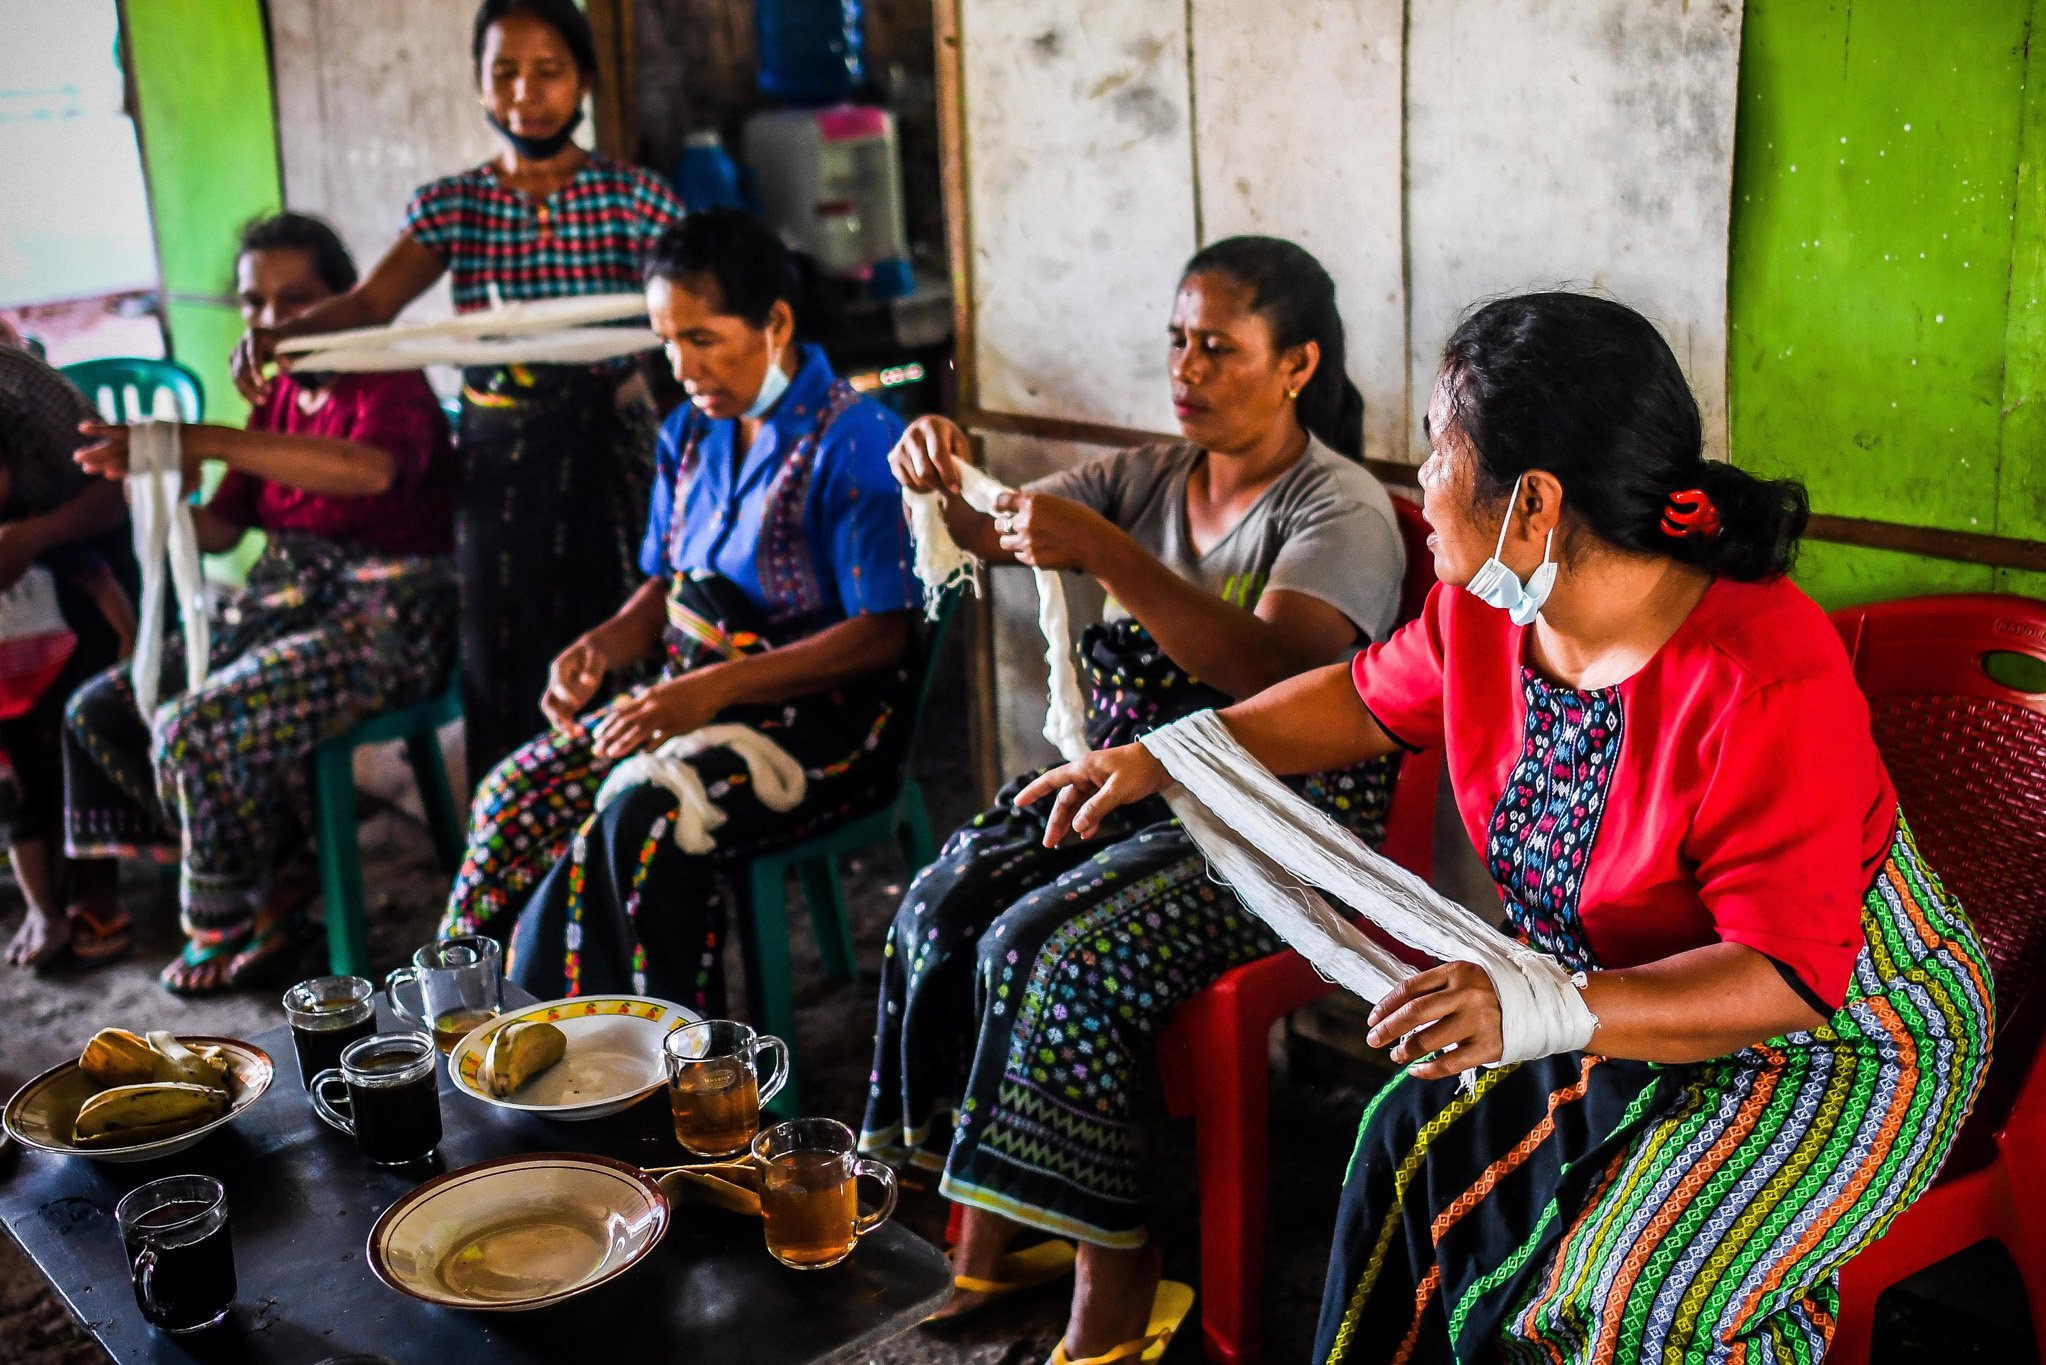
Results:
[1271, 847]
[163, 530]
[778, 779]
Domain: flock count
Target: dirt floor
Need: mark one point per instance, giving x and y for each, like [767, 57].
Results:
[1972, 1311]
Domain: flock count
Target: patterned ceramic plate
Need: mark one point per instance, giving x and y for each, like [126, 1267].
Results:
[613, 1059]
[41, 1113]
[519, 1232]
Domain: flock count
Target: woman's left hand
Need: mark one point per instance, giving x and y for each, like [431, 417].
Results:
[657, 714]
[107, 456]
[1048, 532]
[1453, 1007]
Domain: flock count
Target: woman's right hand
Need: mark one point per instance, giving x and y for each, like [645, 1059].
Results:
[1089, 789]
[577, 673]
[256, 349]
[927, 458]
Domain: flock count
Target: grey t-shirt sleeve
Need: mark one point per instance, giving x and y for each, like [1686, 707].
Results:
[1116, 485]
[1342, 547]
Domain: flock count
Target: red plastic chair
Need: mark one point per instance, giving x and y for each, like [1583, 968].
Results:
[1213, 1057]
[1968, 755]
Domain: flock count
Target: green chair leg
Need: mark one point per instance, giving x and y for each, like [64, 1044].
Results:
[438, 800]
[913, 828]
[770, 979]
[819, 879]
[340, 860]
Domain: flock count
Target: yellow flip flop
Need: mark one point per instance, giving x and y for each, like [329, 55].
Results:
[1169, 1307]
[1015, 1273]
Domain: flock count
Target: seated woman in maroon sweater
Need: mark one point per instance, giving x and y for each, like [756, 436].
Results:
[349, 611]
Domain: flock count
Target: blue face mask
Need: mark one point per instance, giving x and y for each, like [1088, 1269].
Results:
[773, 385]
[1496, 585]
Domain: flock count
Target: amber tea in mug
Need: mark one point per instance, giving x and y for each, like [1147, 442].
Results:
[460, 982]
[715, 1086]
[809, 1196]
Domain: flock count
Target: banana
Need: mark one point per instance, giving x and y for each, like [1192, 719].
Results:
[521, 1051]
[118, 1057]
[192, 1066]
[112, 1115]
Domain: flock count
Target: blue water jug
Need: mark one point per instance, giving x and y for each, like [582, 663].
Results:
[705, 176]
[811, 51]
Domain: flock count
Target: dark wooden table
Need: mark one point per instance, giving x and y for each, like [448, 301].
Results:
[302, 1200]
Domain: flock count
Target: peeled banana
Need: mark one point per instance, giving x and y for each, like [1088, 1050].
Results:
[520, 1051]
[118, 1115]
[192, 1065]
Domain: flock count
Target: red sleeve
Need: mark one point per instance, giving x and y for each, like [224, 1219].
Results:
[1401, 679]
[398, 414]
[234, 501]
[1779, 834]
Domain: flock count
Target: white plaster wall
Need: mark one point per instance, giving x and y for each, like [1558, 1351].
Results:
[1297, 135]
[1581, 144]
[1080, 186]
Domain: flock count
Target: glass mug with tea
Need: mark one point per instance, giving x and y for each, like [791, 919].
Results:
[716, 1085]
[180, 1254]
[809, 1192]
[460, 982]
[393, 1084]
[328, 1013]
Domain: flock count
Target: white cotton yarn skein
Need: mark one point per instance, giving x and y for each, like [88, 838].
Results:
[778, 779]
[163, 529]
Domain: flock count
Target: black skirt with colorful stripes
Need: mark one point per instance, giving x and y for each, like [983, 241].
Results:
[1585, 1209]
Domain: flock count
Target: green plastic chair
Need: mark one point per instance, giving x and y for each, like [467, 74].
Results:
[125, 388]
[334, 813]
[764, 919]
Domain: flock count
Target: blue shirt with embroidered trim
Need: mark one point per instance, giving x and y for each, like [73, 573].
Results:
[852, 520]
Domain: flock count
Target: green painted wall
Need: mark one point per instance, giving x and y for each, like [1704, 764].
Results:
[1888, 257]
[201, 71]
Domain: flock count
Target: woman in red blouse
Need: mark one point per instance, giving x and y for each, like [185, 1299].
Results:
[1656, 741]
[349, 611]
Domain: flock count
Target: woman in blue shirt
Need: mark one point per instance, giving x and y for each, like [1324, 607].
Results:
[779, 596]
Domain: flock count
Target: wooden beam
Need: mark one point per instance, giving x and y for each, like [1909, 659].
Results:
[617, 109]
[1966, 547]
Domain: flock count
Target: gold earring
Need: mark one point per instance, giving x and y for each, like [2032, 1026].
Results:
[1292, 393]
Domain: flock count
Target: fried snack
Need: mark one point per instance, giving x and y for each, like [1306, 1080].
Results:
[114, 1116]
[191, 1065]
[520, 1051]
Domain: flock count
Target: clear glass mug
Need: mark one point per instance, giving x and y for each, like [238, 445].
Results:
[809, 1192]
[393, 1084]
[326, 1014]
[460, 982]
[716, 1085]
[180, 1251]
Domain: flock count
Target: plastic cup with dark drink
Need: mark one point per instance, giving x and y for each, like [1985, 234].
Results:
[180, 1256]
[328, 1013]
[392, 1081]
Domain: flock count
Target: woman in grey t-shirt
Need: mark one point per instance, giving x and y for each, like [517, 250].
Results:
[1023, 987]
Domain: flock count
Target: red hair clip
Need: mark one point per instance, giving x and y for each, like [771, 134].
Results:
[1690, 513]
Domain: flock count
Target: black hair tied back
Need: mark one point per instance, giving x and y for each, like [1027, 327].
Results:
[1291, 291]
[565, 17]
[1588, 390]
[302, 232]
[750, 267]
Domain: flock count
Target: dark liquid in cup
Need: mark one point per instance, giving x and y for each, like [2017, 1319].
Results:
[193, 1282]
[396, 1124]
[319, 1048]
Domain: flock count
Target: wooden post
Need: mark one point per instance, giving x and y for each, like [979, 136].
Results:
[617, 69]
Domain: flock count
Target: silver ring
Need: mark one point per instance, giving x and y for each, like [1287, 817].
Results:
[1005, 523]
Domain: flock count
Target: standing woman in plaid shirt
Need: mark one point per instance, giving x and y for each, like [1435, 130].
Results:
[555, 458]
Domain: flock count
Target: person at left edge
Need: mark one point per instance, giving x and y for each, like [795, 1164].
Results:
[554, 457]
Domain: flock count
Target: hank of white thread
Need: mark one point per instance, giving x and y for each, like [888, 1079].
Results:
[778, 779]
[163, 530]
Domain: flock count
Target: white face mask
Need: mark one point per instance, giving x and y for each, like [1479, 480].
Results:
[772, 386]
[1496, 585]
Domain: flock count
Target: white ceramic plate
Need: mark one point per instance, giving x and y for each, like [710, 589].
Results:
[613, 1058]
[41, 1113]
[520, 1232]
